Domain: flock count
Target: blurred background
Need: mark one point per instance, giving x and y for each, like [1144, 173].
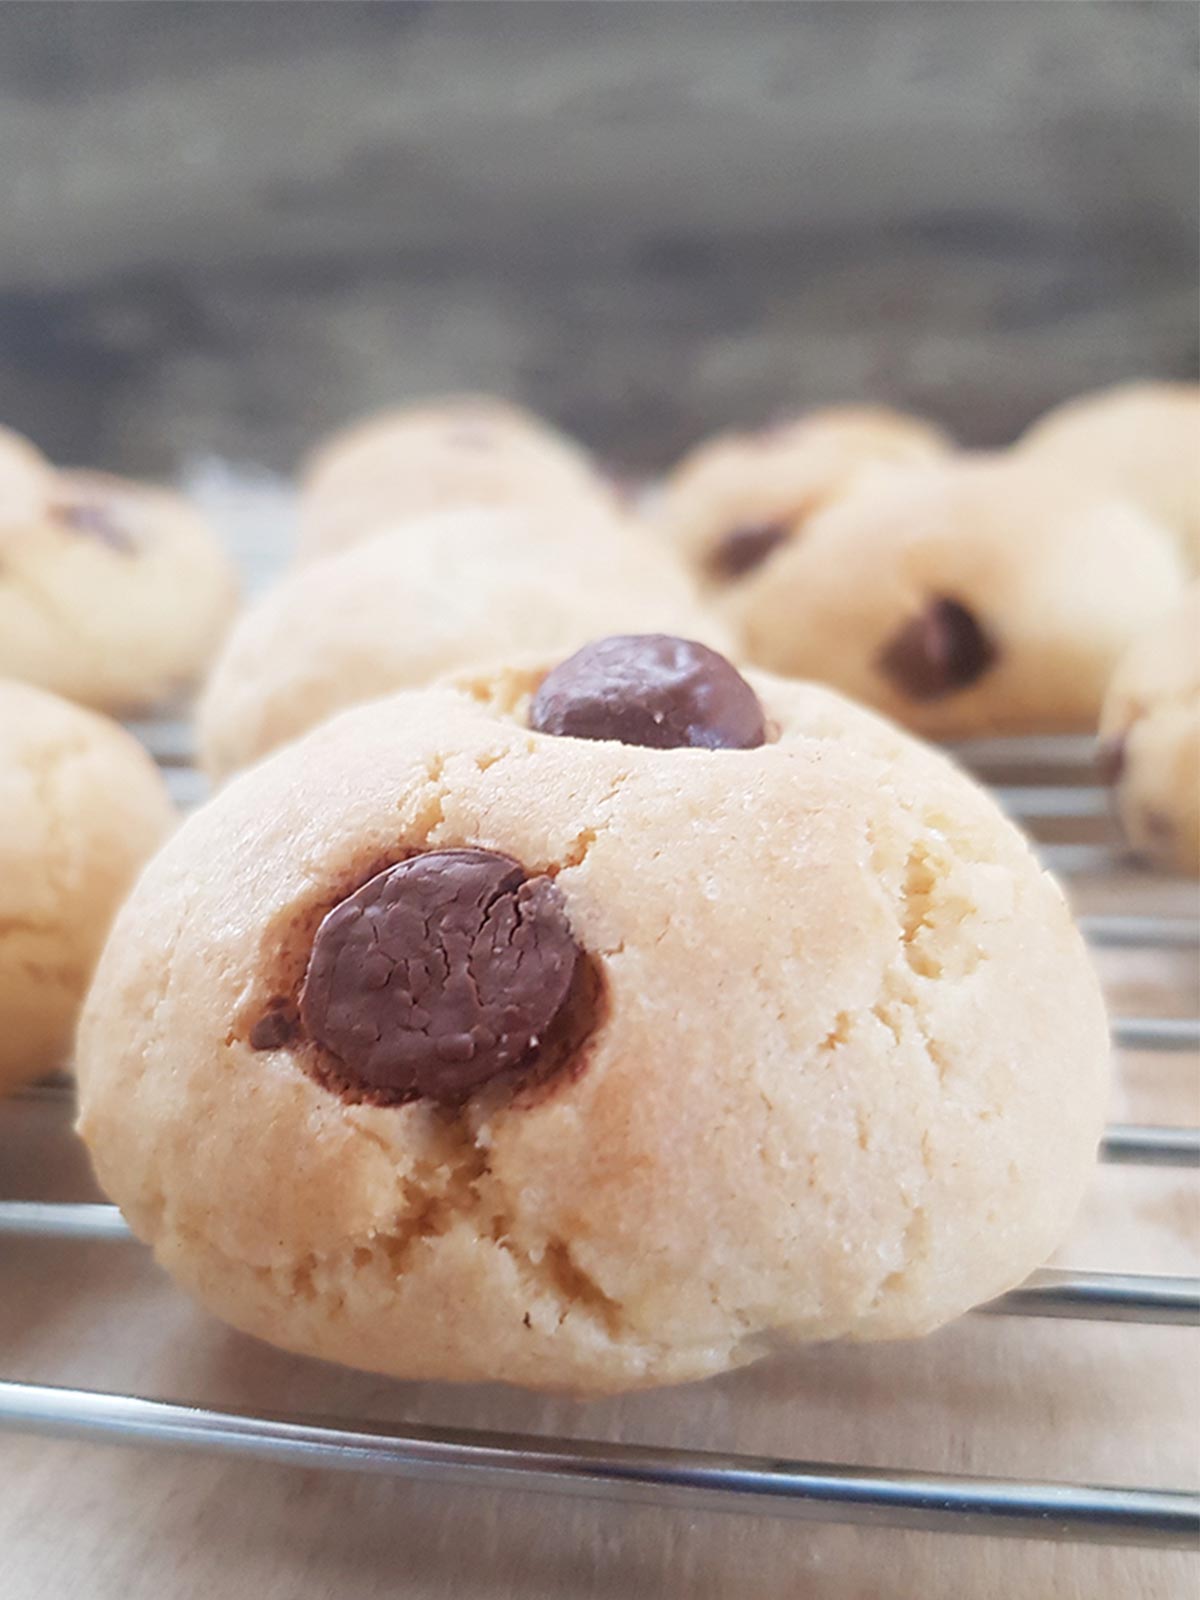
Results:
[228, 226]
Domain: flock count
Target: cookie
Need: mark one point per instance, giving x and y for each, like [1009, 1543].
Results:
[737, 501]
[1141, 440]
[25, 476]
[113, 593]
[437, 594]
[81, 807]
[595, 1025]
[470, 450]
[982, 594]
[1150, 739]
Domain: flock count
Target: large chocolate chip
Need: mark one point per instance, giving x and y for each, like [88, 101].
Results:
[943, 649]
[437, 975]
[650, 689]
[743, 549]
[94, 521]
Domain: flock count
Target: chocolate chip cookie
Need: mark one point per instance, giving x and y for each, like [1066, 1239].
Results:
[464, 451]
[1150, 739]
[1140, 440]
[434, 595]
[982, 594]
[737, 501]
[595, 1024]
[81, 807]
[112, 593]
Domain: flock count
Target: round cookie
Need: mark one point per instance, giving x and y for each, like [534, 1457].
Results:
[25, 477]
[433, 595]
[983, 594]
[592, 1065]
[737, 500]
[81, 807]
[1150, 733]
[468, 450]
[114, 593]
[1141, 440]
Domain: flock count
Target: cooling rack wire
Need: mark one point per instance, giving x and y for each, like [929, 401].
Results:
[1046, 784]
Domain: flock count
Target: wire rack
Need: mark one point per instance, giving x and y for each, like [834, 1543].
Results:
[1057, 799]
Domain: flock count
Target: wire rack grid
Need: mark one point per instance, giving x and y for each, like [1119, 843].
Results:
[816, 1490]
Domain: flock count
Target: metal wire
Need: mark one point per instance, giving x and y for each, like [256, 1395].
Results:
[824, 1491]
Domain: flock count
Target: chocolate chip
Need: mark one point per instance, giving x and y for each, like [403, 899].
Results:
[649, 689]
[275, 1028]
[743, 549]
[437, 975]
[938, 652]
[1110, 759]
[94, 521]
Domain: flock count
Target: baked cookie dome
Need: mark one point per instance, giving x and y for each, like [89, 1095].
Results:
[432, 596]
[737, 500]
[25, 477]
[982, 594]
[461, 451]
[452, 1044]
[112, 593]
[1141, 440]
[81, 807]
[1150, 733]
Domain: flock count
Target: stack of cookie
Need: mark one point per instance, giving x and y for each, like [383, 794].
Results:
[113, 596]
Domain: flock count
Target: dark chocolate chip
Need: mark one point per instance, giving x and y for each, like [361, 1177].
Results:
[93, 521]
[743, 549]
[942, 650]
[275, 1028]
[1110, 759]
[437, 975]
[650, 689]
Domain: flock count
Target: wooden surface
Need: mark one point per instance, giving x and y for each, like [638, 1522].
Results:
[226, 227]
[1061, 1400]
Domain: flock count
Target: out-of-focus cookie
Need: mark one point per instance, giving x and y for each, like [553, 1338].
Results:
[738, 500]
[595, 1025]
[1150, 733]
[982, 594]
[434, 595]
[112, 593]
[81, 807]
[1139, 439]
[469, 450]
[25, 476]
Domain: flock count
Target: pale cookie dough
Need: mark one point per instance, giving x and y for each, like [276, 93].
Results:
[25, 477]
[113, 593]
[1150, 733]
[1141, 440]
[738, 500]
[450, 1044]
[983, 594]
[470, 450]
[436, 594]
[81, 807]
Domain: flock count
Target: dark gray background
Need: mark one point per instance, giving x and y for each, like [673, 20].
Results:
[226, 226]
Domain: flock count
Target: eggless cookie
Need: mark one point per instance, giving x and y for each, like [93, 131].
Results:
[738, 500]
[1150, 739]
[591, 1025]
[982, 594]
[434, 595]
[81, 807]
[464, 451]
[112, 593]
[1140, 440]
